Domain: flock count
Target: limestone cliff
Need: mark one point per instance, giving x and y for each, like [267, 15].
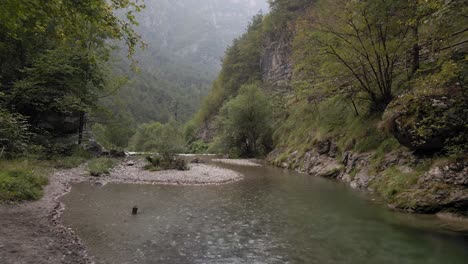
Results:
[277, 63]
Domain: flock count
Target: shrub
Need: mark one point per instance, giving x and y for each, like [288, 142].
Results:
[161, 162]
[101, 166]
[14, 133]
[198, 147]
[20, 184]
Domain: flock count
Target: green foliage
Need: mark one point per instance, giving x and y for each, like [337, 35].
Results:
[198, 147]
[14, 133]
[20, 185]
[282, 15]
[244, 124]
[356, 47]
[165, 139]
[63, 80]
[53, 56]
[394, 181]
[101, 166]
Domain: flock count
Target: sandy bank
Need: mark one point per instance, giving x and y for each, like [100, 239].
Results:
[199, 174]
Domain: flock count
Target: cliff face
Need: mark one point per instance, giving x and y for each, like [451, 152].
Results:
[277, 63]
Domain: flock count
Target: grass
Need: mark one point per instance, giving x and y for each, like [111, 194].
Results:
[101, 166]
[78, 157]
[22, 179]
[393, 181]
[333, 119]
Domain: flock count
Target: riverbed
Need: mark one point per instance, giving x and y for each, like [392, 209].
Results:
[270, 216]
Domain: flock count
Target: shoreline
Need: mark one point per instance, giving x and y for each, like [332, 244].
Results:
[32, 232]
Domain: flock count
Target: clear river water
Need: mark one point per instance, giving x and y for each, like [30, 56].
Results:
[271, 216]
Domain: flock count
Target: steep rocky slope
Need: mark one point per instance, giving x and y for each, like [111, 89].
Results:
[413, 154]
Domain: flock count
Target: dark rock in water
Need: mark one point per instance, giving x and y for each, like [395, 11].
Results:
[429, 123]
[117, 153]
[197, 160]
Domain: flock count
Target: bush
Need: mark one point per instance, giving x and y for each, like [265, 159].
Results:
[14, 134]
[198, 147]
[161, 162]
[20, 184]
[101, 166]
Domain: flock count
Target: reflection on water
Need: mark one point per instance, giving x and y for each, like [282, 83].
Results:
[272, 216]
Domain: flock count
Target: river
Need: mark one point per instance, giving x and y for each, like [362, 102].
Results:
[271, 216]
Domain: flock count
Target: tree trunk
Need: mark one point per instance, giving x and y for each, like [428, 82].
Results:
[81, 128]
[415, 50]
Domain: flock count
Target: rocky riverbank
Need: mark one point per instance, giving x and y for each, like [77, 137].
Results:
[31, 232]
[406, 182]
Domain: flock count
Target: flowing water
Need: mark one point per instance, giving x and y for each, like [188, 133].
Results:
[272, 216]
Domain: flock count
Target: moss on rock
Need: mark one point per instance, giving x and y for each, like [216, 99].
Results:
[429, 122]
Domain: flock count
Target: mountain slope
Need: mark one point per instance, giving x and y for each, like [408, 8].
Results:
[186, 39]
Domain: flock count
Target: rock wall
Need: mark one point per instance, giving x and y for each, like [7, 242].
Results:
[206, 131]
[277, 63]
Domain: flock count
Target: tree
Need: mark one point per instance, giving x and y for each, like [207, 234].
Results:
[52, 53]
[166, 139]
[359, 46]
[244, 123]
[115, 134]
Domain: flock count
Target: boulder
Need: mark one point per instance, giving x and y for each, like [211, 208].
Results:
[429, 123]
[94, 148]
